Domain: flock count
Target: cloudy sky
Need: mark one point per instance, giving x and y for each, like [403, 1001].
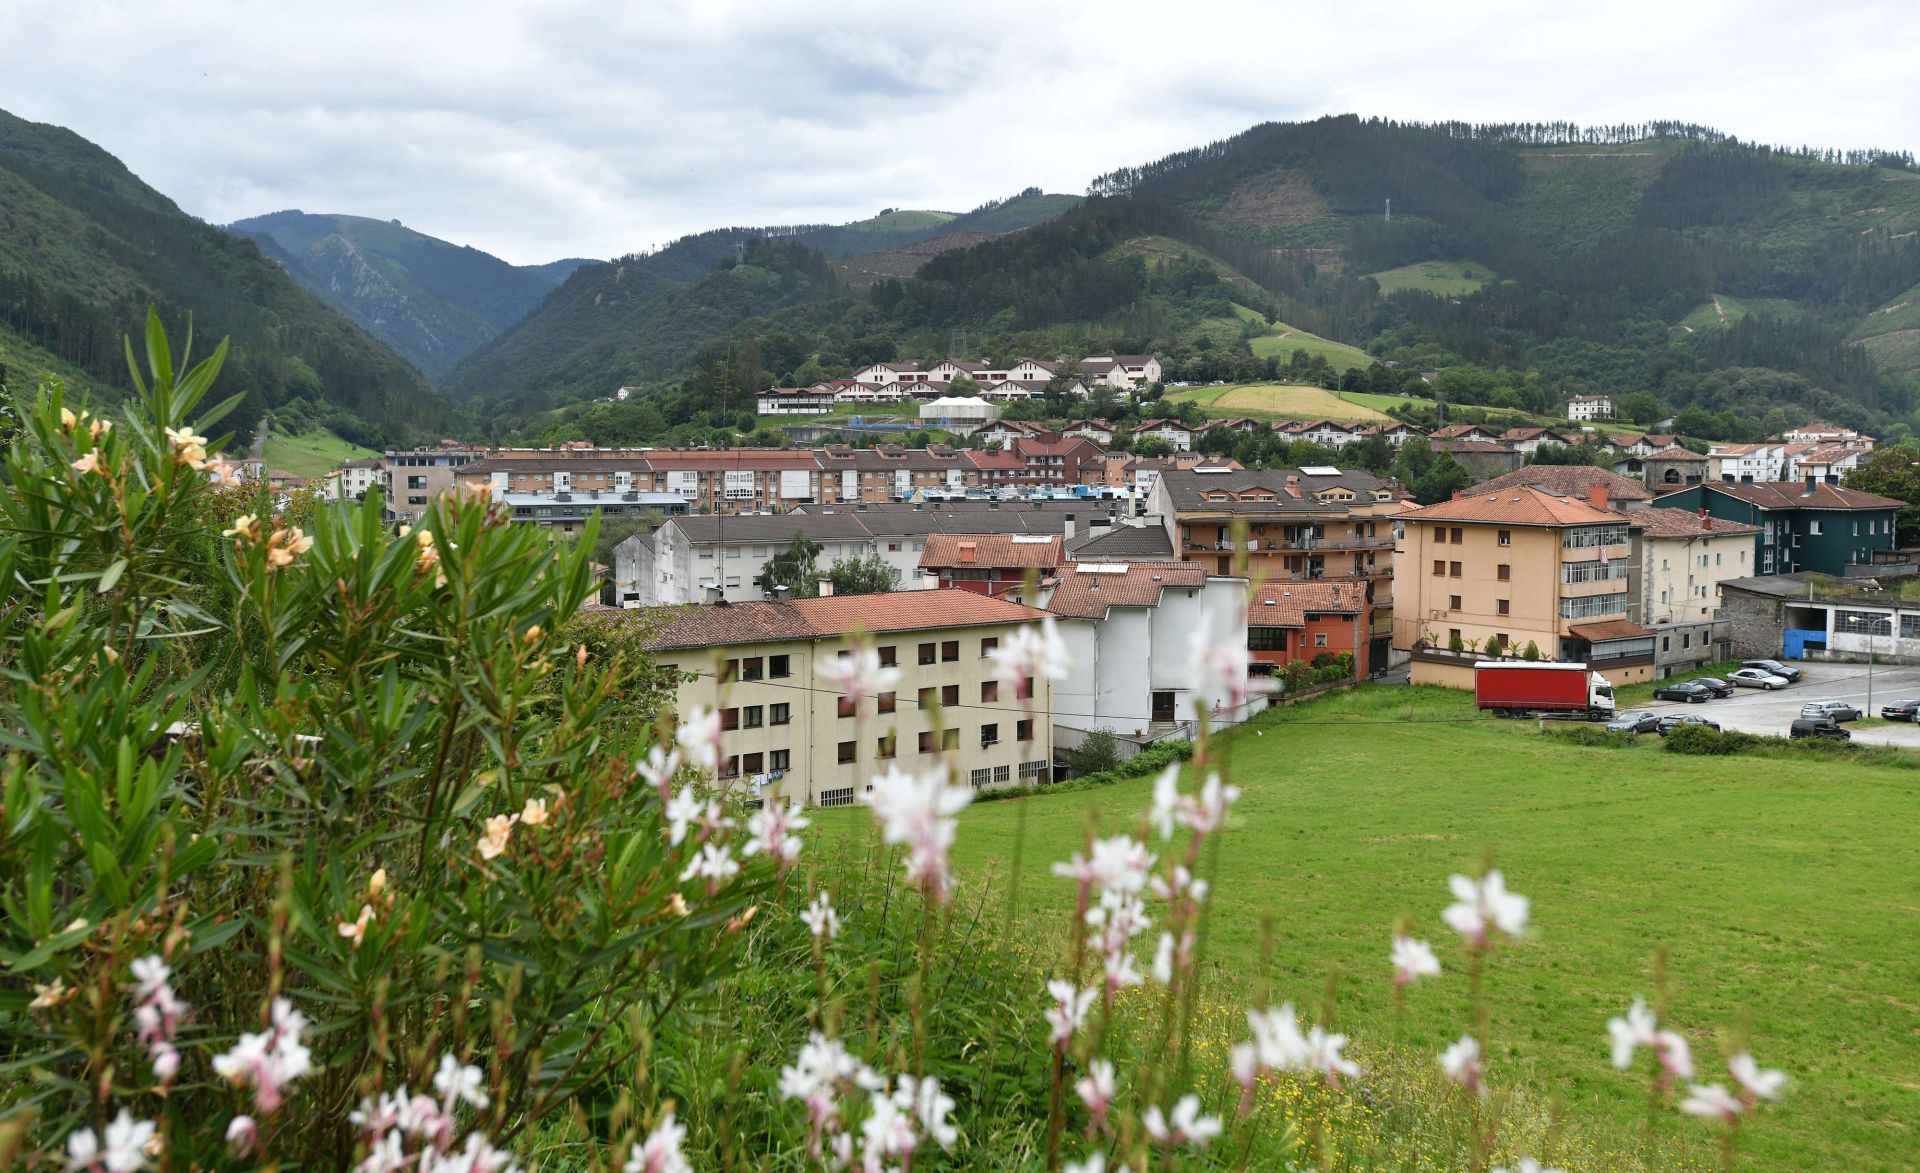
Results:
[537, 129]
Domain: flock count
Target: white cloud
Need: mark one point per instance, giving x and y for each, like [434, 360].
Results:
[596, 127]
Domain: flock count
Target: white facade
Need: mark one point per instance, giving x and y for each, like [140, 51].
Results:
[1118, 663]
[1590, 407]
[1179, 435]
[1744, 463]
[1682, 578]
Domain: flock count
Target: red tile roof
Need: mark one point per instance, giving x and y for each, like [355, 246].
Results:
[1680, 523]
[1085, 590]
[1519, 505]
[721, 624]
[1572, 480]
[1794, 495]
[991, 551]
[1286, 604]
[1608, 629]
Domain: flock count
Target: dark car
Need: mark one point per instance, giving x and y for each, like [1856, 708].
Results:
[1818, 727]
[1777, 668]
[1714, 684]
[1668, 724]
[1687, 690]
[1635, 721]
[1901, 711]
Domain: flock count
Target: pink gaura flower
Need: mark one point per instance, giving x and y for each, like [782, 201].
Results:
[1032, 652]
[773, 829]
[1759, 1083]
[660, 1152]
[699, 738]
[917, 811]
[820, 918]
[858, 675]
[1069, 1010]
[1483, 905]
[1712, 1101]
[1187, 1126]
[1413, 960]
[1461, 1062]
[1096, 1089]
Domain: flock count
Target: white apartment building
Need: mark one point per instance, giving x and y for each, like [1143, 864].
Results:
[1581, 408]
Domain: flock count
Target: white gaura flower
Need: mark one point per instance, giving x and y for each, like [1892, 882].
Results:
[1166, 800]
[241, 1134]
[658, 768]
[1277, 1041]
[1069, 1010]
[1120, 864]
[1207, 811]
[1712, 1101]
[1461, 1062]
[821, 919]
[660, 1153]
[1483, 905]
[1413, 960]
[1638, 1028]
[1221, 668]
[1096, 1162]
[1184, 883]
[714, 863]
[1096, 1090]
[1761, 1084]
[916, 811]
[699, 738]
[270, 1059]
[1120, 971]
[455, 1081]
[858, 674]
[930, 1106]
[1244, 1064]
[122, 1150]
[1323, 1055]
[1163, 960]
[1032, 652]
[775, 829]
[1187, 1126]
[1527, 1165]
[150, 973]
[686, 809]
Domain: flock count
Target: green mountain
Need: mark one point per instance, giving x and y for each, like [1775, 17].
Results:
[86, 247]
[431, 301]
[646, 317]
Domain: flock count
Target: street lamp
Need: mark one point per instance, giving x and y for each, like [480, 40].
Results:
[1871, 623]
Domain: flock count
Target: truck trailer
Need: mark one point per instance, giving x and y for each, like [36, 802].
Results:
[1529, 689]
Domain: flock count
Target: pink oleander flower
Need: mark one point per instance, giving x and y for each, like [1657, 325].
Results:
[1069, 1010]
[1712, 1101]
[1759, 1083]
[1413, 960]
[493, 843]
[699, 738]
[660, 1153]
[188, 449]
[1096, 1090]
[535, 813]
[122, 1149]
[858, 675]
[90, 462]
[773, 829]
[916, 811]
[820, 918]
[1485, 904]
[1461, 1062]
[1032, 652]
[1187, 1126]
[356, 930]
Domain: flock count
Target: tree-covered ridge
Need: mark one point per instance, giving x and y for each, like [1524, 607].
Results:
[86, 247]
[432, 301]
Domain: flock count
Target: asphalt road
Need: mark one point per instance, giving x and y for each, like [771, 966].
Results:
[1753, 710]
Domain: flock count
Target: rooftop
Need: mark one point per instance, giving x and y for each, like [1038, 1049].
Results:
[1569, 480]
[702, 625]
[1678, 523]
[992, 551]
[1085, 590]
[1288, 604]
[1797, 495]
[1517, 505]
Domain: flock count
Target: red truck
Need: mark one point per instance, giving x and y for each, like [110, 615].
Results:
[1534, 689]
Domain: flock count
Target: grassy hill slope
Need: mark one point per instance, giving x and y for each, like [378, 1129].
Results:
[312, 453]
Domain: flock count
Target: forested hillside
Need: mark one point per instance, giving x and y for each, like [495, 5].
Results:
[86, 247]
[433, 302]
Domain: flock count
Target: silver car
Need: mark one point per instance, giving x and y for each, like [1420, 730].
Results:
[1755, 678]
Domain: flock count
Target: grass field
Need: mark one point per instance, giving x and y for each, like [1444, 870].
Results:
[310, 454]
[1725, 311]
[1289, 401]
[1446, 278]
[1786, 892]
[1283, 340]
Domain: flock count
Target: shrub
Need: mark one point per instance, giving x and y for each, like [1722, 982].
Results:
[1531, 651]
[1593, 735]
[1097, 754]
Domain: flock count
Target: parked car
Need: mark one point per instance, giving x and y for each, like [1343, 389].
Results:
[1714, 684]
[1776, 667]
[1818, 727]
[1668, 724]
[1692, 692]
[1901, 711]
[1635, 721]
[1758, 678]
[1838, 710]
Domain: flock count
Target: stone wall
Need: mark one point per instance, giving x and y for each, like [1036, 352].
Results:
[1757, 624]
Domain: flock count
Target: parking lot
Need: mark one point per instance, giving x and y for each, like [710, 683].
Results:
[1753, 710]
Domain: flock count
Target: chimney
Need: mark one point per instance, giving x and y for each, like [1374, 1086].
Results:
[1597, 496]
[1705, 521]
[1069, 529]
[826, 587]
[1809, 489]
[715, 595]
[780, 593]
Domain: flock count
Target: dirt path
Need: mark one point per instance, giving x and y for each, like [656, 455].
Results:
[1719, 309]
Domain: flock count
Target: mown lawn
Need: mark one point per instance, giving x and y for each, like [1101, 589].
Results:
[1288, 401]
[310, 454]
[1446, 278]
[1789, 894]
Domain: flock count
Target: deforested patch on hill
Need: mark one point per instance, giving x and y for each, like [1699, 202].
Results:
[862, 271]
[1281, 198]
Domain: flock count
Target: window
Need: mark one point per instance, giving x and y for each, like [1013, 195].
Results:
[1503, 572]
[1023, 730]
[887, 658]
[729, 719]
[1319, 639]
[1503, 607]
[1856, 529]
[1581, 537]
[1506, 537]
[950, 651]
[1686, 640]
[980, 778]
[777, 667]
[750, 717]
[846, 705]
[990, 734]
[1502, 640]
[1033, 770]
[926, 741]
[1440, 535]
[847, 752]
[949, 694]
[1439, 568]
[416, 482]
[752, 668]
[1592, 605]
[416, 500]
[730, 672]
[1453, 602]
[1608, 571]
[730, 768]
[949, 739]
[753, 763]
[1457, 539]
[886, 702]
[1453, 569]
[779, 714]
[928, 699]
[887, 746]
[926, 653]
[780, 760]
[1002, 774]
[1453, 635]
[1267, 639]
[989, 691]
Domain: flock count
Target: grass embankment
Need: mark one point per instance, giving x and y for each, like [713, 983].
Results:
[310, 454]
[1784, 889]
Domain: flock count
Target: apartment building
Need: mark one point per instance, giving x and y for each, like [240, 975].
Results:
[1687, 556]
[788, 734]
[414, 478]
[1302, 621]
[1805, 525]
[1581, 408]
[989, 564]
[1496, 570]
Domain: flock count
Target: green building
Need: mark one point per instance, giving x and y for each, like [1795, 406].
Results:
[1804, 527]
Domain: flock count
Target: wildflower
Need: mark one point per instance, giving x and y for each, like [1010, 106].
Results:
[69, 421]
[377, 884]
[688, 808]
[1031, 652]
[1207, 812]
[1759, 1084]
[1166, 800]
[244, 526]
[356, 930]
[166, 1062]
[1186, 1127]
[534, 814]
[88, 463]
[1323, 1055]
[1482, 905]
[1244, 1064]
[1413, 960]
[930, 1106]
[660, 1153]
[658, 768]
[1528, 1165]
[122, 1149]
[1163, 960]
[188, 449]
[98, 428]
[1096, 1090]
[699, 737]
[858, 674]
[494, 842]
[1069, 1011]
[456, 1082]
[1712, 1100]
[1277, 1041]
[820, 917]
[772, 830]
[426, 557]
[47, 996]
[1639, 1028]
[1096, 1162]
[821, 1067]
[284, 545]
[1184, 883]
[269, 1059]
[150, 976]
[916, 810]
[1461, 1062]
[242, 1134]
[1221, 667]
[715, 863]
[1120, 971]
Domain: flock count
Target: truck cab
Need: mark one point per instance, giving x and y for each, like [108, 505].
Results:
[1599, 697]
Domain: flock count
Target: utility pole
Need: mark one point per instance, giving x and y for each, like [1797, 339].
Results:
[1389, 209]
